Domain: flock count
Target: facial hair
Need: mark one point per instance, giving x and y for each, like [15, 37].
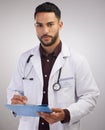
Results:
[52, 41]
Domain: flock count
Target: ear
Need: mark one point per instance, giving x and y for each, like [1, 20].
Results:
[60, 24]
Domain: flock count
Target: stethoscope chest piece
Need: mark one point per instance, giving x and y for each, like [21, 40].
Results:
[56, 87]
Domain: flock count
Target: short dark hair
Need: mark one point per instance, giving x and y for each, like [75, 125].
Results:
[48, 7]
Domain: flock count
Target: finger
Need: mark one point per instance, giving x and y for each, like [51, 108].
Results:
[51, 121]
[21, 98]
[47, 117]
[58, 114]
[43, 114]
[24, 98]
[17, 99]
[16, 102]
[56, 110]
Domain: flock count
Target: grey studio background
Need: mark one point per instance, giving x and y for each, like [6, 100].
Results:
[84, 30]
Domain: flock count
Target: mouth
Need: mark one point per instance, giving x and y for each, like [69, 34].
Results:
[46, 37]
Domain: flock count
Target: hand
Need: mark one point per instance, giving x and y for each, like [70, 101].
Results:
[56, 115]
[17, 99]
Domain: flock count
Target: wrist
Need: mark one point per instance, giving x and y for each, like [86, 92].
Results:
[66, 116]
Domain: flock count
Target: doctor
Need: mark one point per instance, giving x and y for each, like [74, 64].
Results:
[52, 74]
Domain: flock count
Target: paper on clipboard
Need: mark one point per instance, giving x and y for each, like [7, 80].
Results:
[28, 110]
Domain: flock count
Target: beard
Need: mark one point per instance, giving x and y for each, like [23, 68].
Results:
[53, 40]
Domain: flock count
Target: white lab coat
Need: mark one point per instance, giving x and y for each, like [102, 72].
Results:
[78, 91]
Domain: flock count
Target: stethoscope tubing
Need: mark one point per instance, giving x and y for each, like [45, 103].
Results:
[27, 61]
[56, 86]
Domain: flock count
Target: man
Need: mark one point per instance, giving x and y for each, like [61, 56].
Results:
[54, 75]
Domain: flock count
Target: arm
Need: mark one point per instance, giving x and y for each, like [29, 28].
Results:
[16, 84]
[87, 92]
[57, 114]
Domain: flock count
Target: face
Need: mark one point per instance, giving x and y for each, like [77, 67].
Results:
[47, 28]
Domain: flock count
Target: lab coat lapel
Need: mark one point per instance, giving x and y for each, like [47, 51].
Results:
[57, 65]
[61, 59]
[36, 62]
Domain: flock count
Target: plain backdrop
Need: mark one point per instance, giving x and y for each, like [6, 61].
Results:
[83, 30]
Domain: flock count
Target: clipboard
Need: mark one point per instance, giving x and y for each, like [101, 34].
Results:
[28, 110]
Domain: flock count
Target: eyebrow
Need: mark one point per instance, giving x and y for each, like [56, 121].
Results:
[38, 23]
[46, 23]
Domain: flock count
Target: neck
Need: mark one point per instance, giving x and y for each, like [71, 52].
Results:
[50, 49]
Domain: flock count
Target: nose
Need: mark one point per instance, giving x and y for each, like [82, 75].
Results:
[45, 30]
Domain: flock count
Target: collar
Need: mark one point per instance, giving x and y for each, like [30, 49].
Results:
[54, 53]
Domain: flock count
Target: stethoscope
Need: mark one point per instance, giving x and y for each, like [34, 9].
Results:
[56, 86]
[25, 77]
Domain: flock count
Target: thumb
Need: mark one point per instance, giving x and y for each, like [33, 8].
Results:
[56, 110]
[24, 99]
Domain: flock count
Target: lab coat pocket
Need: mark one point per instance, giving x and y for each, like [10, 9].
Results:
[28, 85]
[26, 123]
[66, 82]
[66, 93]
[23, 123]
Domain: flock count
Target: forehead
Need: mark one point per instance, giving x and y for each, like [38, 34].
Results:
[44, 17]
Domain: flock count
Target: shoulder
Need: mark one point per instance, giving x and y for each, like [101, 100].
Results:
[79, 62]
[72, 54]
[76, 56]
[30, 51]
[24, 56]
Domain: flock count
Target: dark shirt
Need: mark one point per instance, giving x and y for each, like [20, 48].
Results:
[47, 61]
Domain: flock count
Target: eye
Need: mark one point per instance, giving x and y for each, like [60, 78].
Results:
[50, 24]
[39, 25]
